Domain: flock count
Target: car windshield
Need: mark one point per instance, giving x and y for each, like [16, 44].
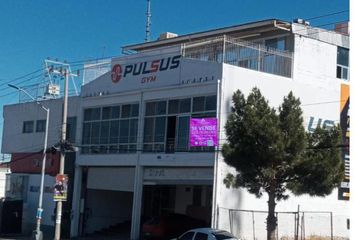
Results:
[222, 235]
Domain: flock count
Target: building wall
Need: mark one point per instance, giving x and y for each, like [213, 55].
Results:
[314, 82]
[16, 114]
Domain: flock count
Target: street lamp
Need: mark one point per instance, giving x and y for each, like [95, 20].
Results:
[38, 233]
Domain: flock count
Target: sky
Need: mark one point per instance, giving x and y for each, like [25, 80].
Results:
[79, 30]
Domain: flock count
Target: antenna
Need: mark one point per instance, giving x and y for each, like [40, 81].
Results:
[148, 22]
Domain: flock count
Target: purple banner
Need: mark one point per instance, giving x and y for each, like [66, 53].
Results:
[203, 132]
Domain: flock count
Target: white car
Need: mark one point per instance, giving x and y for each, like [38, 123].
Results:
[206, 234]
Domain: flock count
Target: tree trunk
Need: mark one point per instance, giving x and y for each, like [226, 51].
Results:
[271, 219]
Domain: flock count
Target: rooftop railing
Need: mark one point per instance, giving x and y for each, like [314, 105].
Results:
[242, 54]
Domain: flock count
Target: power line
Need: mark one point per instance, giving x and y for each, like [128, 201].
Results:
[326, 15]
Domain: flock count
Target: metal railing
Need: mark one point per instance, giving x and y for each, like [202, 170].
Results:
[240, 53]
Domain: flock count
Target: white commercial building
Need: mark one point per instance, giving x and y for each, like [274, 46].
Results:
[132, 126]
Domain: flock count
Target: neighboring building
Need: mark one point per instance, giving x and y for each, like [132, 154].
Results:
[4, 171]
[135, 160]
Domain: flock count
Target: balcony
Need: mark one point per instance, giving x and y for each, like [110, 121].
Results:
[242, 54]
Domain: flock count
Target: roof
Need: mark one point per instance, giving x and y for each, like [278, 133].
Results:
[242, 30]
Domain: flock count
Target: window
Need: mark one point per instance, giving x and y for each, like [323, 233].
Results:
[110, 129]
[27, 127]
[155, 126]
[201, 236]
[40, 125]
[343, 63]
[187, 236]
[166, 124]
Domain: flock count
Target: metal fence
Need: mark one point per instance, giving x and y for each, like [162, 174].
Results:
[297, 225]
[239, 53]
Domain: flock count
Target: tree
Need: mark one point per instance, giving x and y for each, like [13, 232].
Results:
[272, 152]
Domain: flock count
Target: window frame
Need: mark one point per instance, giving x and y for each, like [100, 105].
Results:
[25, 126]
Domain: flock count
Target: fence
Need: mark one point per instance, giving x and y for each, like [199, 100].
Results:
[297, 225]
[239, 53]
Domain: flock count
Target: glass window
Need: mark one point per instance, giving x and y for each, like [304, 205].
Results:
[87, 114]
[343, 56]
[116, 112]
[95, 132]
[71, 129]
[114, 131]
[201, 236]
[133, 130]
[161, 108]
[183, 133]
[86, 133]
[160, 126]
[198, 104]
[104, 132]
[123, 148]
[210, 103]
[185, 105]
[27, 127]
[150, 108]
[124, 131]
[106, 112]
[113, 149]
[147, 148]
[40, 125]
[149, 129]
[342, 63]
[126, 111]
[135, 110]
[95, 114]
[276, 43]
[173, 106]
[187, 236]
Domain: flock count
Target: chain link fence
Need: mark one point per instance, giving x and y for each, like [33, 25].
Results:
[297, 225]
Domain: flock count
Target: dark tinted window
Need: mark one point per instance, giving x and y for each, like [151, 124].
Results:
[343, 56]
[187, 236]
[27, 127]
[201, 236]
[40, 125]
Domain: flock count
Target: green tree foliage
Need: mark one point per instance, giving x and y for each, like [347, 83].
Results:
[272, 152]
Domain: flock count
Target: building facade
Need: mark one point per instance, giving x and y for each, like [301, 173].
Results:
[132, 128]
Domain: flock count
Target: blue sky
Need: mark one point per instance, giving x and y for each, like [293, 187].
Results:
[31, 31]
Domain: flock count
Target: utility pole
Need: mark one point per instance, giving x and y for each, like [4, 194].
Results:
[67, 73]
[62, 154]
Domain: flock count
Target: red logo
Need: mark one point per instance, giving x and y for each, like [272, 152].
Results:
[116, 73]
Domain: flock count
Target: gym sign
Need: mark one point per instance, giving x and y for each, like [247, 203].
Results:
[146, 70]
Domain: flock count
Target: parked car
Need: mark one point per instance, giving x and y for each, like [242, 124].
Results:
[169, 226]
[206, 234]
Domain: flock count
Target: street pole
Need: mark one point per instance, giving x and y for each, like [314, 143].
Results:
[37, 234]
[62, 155]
